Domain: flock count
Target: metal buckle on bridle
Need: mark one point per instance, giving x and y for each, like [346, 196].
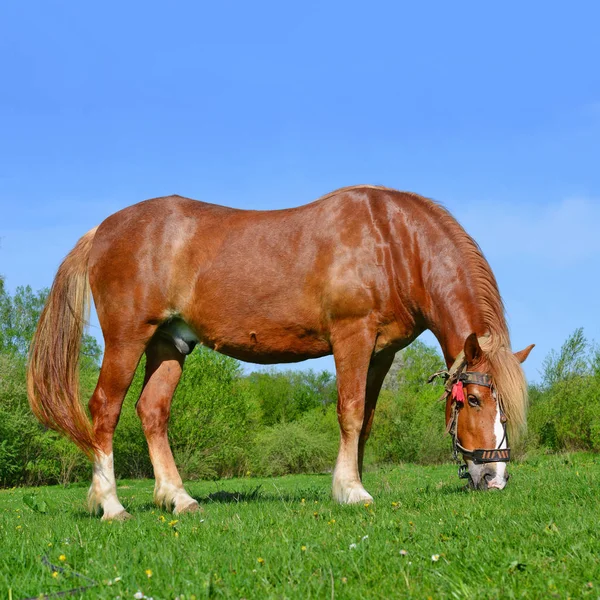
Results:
[457, 375]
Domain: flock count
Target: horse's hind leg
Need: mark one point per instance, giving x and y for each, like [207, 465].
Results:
[118, 368]
[164, 364]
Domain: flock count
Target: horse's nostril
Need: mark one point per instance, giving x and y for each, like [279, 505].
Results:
[488, 477]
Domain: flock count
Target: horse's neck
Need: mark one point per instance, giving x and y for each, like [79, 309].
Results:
[452, 340]
[453, 319]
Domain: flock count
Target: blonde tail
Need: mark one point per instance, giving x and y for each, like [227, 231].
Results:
[53, 369]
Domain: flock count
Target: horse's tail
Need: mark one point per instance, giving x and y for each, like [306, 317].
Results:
[53, 370]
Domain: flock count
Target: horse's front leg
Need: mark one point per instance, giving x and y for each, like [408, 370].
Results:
[378, 369]
[353, 345]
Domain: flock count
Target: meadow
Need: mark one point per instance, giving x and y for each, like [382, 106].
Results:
[425, 536]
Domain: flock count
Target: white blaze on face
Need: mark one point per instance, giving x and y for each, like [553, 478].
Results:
[499, 480]
[499, 468]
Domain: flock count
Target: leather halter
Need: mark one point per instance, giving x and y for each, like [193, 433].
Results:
[457, 375]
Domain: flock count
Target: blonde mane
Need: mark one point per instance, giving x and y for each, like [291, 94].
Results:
[505, 368]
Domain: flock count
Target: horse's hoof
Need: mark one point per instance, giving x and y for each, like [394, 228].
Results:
[353, 494]
[192, 507]
[120, 516]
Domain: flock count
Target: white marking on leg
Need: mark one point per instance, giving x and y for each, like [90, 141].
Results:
[347, 487]
[103, 491]
[173, 497]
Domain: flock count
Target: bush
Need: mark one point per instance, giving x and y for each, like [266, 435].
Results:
[303, 446]
[565, 408]
[409, 424]
[284, 396]
[214, 417]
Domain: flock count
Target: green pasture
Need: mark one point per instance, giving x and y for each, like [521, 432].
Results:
[424, 536]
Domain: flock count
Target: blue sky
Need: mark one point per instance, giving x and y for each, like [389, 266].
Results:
[494, 110]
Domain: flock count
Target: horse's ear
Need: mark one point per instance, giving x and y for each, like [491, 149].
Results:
[523, 354]
[472, 349]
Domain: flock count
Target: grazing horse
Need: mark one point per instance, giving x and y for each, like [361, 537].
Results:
[359, 273]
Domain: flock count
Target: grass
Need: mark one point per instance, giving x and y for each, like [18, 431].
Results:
[285, 538]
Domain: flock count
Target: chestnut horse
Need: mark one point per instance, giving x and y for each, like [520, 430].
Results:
[359, 273]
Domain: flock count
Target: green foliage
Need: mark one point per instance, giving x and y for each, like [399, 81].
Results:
[567, 364]
[565, 409]
[18, 318]
[409, 422]
[412, 367]
[308, 445]
[214, 417]
[35, 503]
[286, 395]
[28, 452]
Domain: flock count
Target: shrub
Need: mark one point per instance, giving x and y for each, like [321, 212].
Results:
[304, 446]
[565, 408]
[409, 424]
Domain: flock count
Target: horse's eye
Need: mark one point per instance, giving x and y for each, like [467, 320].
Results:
[473, 401]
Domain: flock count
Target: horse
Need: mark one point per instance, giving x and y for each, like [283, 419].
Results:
[358, 273]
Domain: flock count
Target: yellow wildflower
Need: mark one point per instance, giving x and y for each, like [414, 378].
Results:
[173, 523]
[62, 557]
[162, 518]
[261, 560]
[148, 573]
[55, 574]
[303, 548]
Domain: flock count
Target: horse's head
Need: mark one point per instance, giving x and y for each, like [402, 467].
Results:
[476, 420]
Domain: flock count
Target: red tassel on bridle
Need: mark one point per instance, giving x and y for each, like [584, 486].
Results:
[458, 392]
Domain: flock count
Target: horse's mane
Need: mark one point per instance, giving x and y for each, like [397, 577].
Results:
[505, 368]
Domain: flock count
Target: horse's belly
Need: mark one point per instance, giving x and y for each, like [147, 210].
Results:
[262, 340]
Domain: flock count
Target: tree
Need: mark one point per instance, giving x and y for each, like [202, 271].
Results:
[571, 361]
[19, 316]
[284, 396]
[413, 366]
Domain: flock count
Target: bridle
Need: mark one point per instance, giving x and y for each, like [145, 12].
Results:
[456, 378]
